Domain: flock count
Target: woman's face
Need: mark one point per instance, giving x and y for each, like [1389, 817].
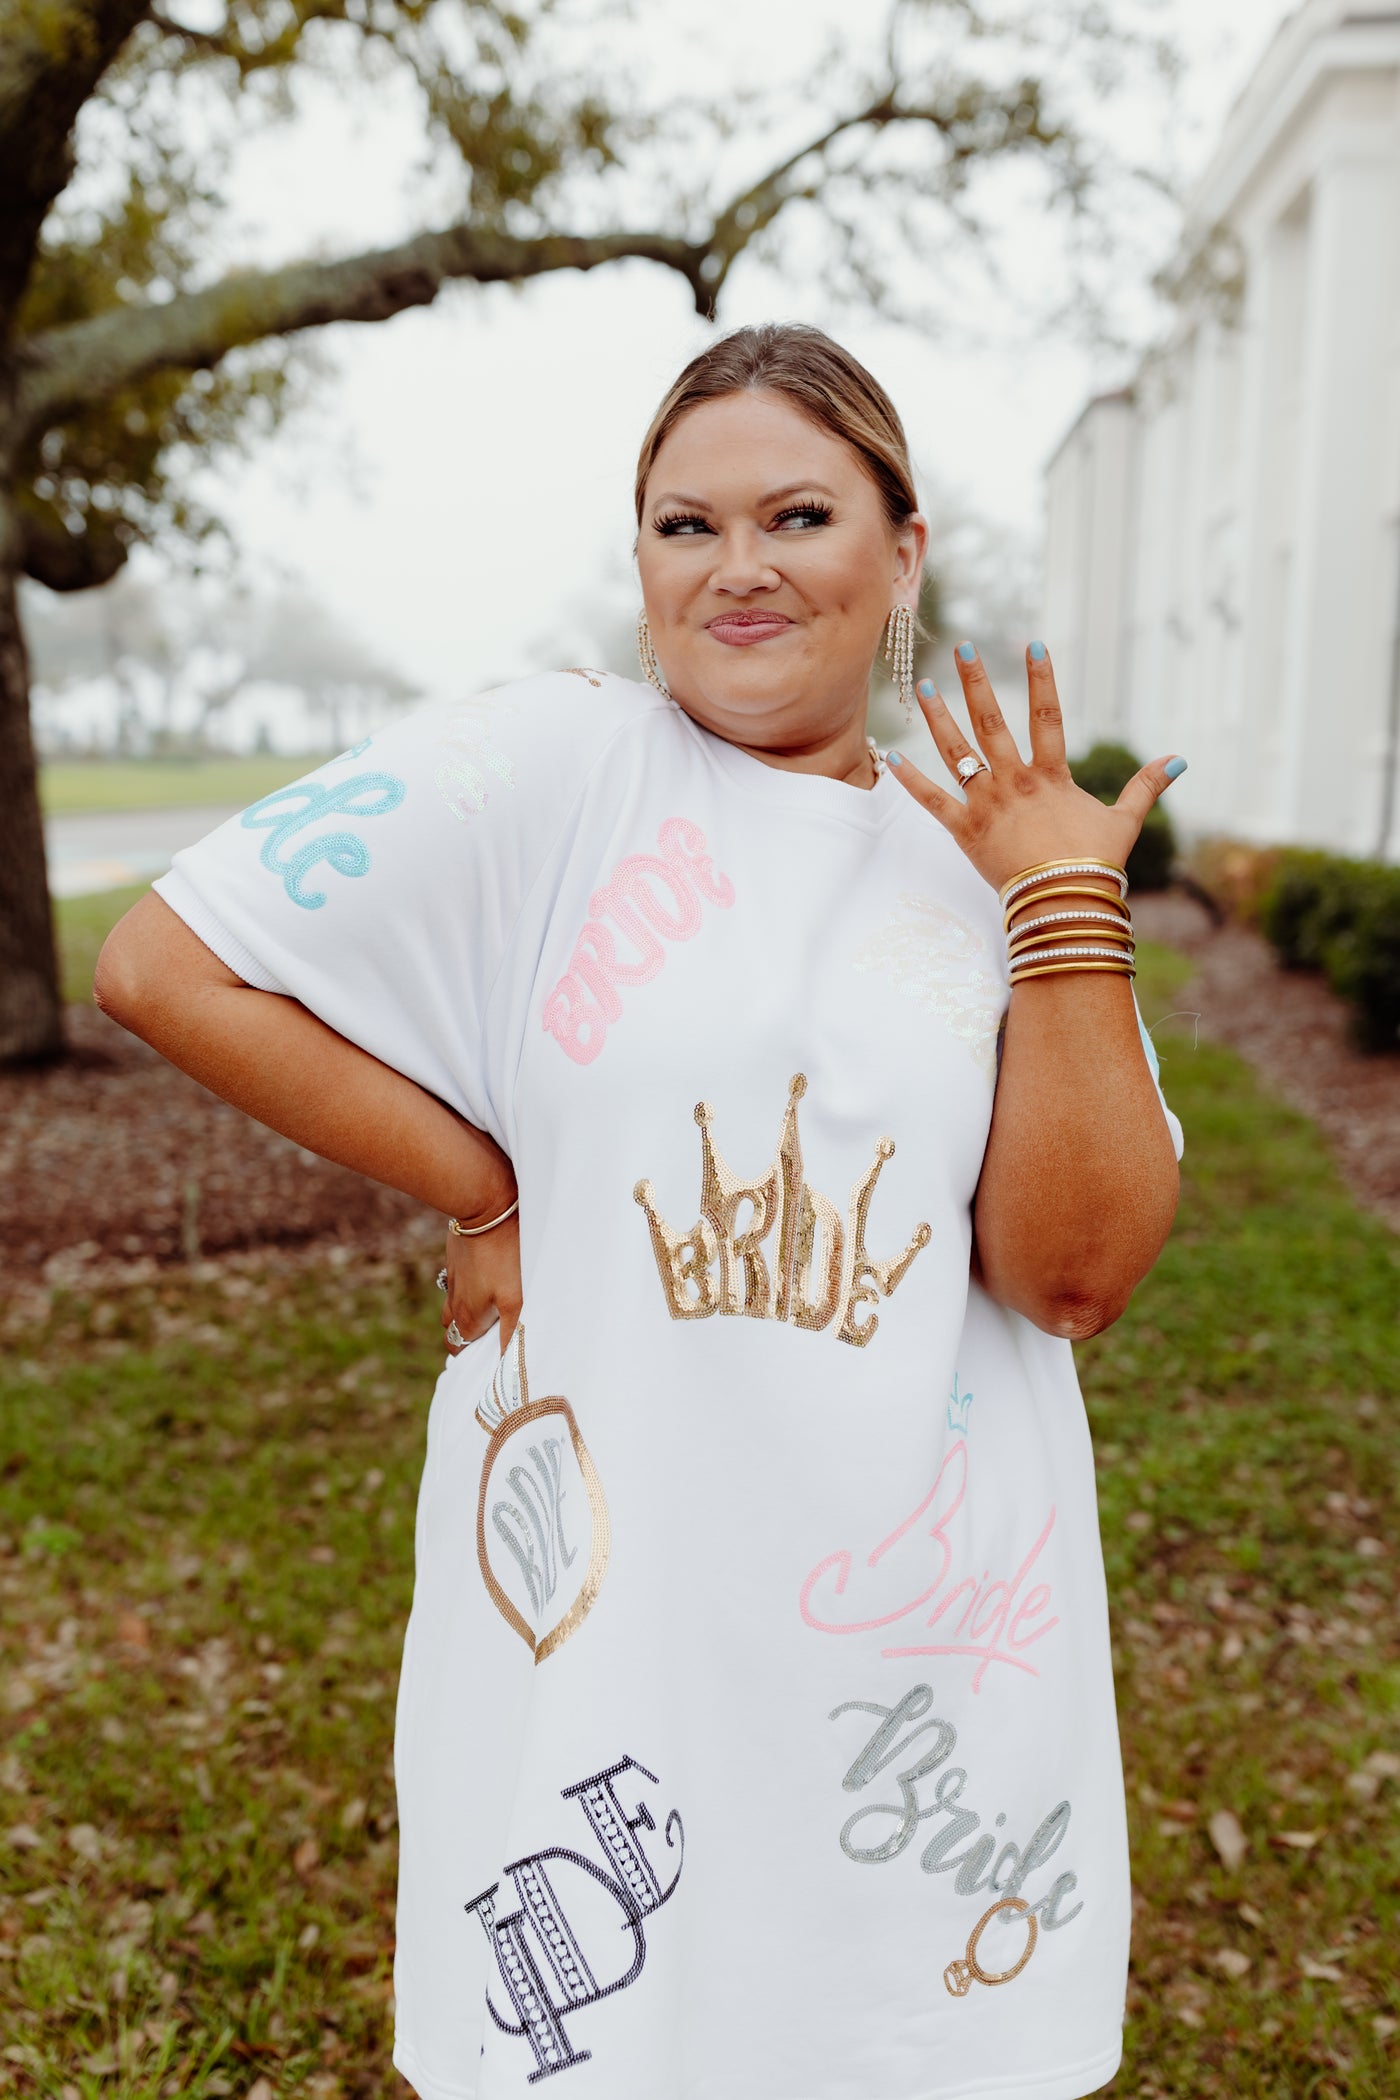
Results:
[769, 568]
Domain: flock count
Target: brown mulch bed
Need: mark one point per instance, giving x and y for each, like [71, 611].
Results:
[1294, 1032]
[114, 1163]
[114, 1160]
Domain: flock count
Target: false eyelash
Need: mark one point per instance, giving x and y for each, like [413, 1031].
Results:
[806, 510]
[669, 525]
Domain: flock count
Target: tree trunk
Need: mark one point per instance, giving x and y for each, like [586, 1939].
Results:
[31, 1011]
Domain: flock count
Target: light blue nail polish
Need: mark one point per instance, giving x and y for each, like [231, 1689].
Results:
[966, 651]
[1037, 652]
[893, 758]
[926, 689]
[1174, 768]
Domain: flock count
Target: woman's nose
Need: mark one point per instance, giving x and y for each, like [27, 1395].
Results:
[742, 564]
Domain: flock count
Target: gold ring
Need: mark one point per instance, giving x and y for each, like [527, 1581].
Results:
[960, 1975]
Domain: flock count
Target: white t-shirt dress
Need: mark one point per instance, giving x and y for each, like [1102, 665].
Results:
[756, 1736]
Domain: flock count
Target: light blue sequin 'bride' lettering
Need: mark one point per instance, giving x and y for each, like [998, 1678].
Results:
[289, 810]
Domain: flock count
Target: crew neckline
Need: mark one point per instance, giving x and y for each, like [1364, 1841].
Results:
[809, 794]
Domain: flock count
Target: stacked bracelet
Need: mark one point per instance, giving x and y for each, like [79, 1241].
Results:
[1092, 930]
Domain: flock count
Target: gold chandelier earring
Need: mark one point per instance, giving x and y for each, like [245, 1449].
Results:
[899, 655]
[651, 669]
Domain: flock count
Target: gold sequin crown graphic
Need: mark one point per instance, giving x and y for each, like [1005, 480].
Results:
[773, 1248]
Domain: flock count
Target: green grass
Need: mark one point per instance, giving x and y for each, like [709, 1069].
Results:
[67, 786]
[206, 1508]
[81, 925]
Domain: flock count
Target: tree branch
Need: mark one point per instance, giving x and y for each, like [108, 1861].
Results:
[91, 360]
[68, 561]
[52, 55]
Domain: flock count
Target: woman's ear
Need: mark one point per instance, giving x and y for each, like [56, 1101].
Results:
[911, 543]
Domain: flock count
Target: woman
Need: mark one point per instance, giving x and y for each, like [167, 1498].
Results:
[756, 1734]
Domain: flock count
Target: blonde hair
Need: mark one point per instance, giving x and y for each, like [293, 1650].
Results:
[819, 378]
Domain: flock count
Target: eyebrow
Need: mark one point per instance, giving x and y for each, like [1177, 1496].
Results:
[773, 496]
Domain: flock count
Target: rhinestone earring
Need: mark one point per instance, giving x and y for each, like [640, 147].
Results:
[651, 669]
[899, 655]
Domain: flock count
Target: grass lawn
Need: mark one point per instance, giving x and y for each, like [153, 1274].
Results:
[206, 1516]
[67, 786]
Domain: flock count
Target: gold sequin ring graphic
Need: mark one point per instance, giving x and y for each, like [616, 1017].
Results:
[773, 1248]
[962, 1974]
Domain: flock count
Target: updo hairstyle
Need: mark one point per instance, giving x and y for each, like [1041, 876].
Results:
[823, 381]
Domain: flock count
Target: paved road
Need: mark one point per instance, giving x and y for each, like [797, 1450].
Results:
[108, 850]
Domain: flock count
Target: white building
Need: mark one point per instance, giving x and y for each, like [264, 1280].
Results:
[1223, 552]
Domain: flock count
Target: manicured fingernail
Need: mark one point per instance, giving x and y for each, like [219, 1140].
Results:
[966, 651]
[1174, 768]
[893, 758]
[927, 690]
[1037, 652]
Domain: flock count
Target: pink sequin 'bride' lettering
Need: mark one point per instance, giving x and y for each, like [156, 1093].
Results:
[649, 898]
[995, 1624]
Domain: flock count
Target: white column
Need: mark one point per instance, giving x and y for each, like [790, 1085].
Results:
[1334, 678]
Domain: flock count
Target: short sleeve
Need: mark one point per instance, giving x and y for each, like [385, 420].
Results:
[382, 890]
[1155, 1067]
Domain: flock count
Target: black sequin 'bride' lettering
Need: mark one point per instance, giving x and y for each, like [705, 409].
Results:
[547, 1971]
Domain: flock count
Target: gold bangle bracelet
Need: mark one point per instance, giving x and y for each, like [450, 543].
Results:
[1067, 889]
[1085, 866]
[474, 1232]
[1075, 918]
[1077, 930]
[1048, 950]
[1077, 948]
[1068, 969]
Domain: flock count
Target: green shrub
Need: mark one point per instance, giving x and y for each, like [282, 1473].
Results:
[1324, 912]
[1307, 901]
[1105, 770]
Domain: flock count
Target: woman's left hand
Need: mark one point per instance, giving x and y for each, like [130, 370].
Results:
[1024, 812]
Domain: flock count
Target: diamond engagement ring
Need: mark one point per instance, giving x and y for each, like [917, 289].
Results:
[455, 1335]
[970, 765]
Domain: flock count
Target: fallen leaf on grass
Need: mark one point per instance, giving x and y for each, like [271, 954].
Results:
[23, 1837]
[86, 1840]
[1232, 1962]
[1228, 1838]
[1300, 1840]
[1383, 1763]
[1321, 1971]
[1384, 2026]
[133, 1631]
[1251, 1916]
[307, 1853]
[261, 2089]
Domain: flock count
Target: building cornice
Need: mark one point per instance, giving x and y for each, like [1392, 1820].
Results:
[1323, 38]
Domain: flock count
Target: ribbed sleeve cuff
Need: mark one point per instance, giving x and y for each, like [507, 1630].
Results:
[185, 900]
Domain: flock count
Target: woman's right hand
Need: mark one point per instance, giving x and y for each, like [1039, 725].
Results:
[483, 1283]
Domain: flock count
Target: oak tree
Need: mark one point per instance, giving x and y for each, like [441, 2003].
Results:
[125, 356]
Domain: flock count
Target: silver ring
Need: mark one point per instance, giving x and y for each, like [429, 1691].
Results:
[442, 1279]
[455, 1335]
[970, 765]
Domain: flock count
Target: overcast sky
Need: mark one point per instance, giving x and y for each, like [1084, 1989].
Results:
[461, 491]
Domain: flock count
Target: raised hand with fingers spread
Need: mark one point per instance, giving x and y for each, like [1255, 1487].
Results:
[1021, 812]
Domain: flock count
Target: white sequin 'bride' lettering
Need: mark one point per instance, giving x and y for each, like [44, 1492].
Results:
[648, 899]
